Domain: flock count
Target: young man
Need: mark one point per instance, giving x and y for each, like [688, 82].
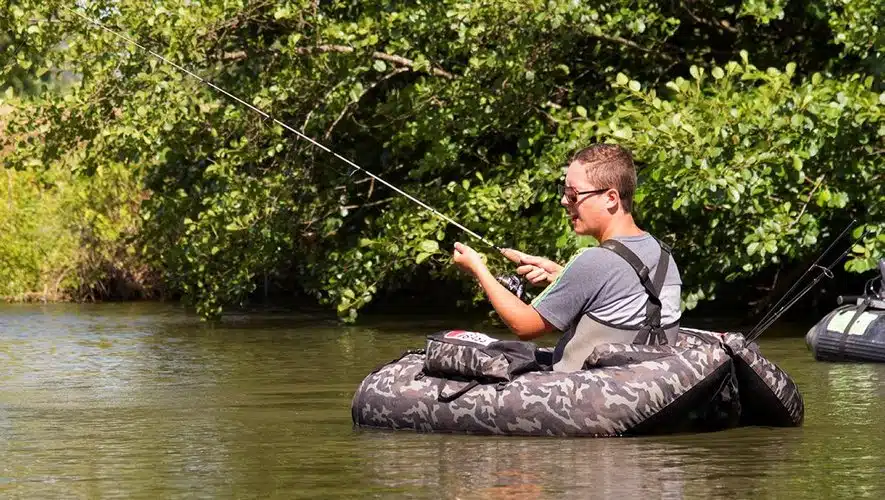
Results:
[627, 290]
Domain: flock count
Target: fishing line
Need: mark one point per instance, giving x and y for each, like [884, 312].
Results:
[267, 116]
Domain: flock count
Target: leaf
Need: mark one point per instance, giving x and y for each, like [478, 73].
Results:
[678, 202]
[717, 73]
[695, 72]
[635, 86]
[582, 111]
[379, 66]
[733, 194]
[623, 133]
[421, 257]
[752, 248]
[621, 79]
[429, 246]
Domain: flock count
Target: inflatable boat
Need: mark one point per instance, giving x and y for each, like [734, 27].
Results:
[854, 331]
[468, 382]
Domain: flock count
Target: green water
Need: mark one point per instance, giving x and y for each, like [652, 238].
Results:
[142, 400]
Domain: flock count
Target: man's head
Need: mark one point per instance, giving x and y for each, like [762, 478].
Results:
[599, 186]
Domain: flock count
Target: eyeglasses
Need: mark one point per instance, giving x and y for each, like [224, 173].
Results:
[571, 194]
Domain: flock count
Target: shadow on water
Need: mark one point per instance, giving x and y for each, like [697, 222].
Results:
[143, 400]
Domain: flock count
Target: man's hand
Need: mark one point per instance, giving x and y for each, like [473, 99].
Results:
[537, 270]
[467, 259]
[522, 318]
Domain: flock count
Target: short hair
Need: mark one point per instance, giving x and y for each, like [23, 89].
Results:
[610, 166]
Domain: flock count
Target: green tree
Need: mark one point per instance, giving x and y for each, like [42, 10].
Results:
[758, 125]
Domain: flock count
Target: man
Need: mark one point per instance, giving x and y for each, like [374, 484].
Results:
[627, 290]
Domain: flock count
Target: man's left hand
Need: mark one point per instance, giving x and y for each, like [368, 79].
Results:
[467, 259]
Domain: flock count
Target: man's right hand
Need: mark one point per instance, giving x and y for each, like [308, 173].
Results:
[537, 270]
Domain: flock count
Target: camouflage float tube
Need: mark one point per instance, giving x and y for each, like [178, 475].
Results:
[467, 382]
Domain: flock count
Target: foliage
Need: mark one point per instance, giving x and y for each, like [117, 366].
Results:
[64, 236]
[472, 107]
[35, 247]
[760, 158]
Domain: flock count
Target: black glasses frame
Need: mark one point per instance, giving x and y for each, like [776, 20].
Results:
[572, 194]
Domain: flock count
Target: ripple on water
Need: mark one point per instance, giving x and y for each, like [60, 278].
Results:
[123, 400]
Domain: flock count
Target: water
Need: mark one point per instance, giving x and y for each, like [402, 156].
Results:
[143, 400]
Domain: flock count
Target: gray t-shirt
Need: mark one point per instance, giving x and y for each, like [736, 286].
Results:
[598, 286]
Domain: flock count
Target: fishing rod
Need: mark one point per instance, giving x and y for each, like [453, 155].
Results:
[814, 265]
[267, 116]
[827, 271]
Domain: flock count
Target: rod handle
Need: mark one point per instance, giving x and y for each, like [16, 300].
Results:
[848, 299]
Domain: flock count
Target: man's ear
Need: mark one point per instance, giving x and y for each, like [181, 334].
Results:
[612, 198]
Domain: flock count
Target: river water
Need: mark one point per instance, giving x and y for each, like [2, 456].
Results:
[144, 401]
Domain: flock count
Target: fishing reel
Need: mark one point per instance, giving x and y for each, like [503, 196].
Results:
[515, 283]
[870, 292]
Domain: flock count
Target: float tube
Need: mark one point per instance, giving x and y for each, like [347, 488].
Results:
[854, 331]
[468, 382]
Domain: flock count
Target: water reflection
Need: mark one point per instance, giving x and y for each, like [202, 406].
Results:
[124, 400]
[728, 464]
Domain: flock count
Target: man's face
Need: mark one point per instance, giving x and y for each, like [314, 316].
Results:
[588, 212]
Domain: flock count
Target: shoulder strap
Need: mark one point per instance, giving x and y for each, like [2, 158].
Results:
[635, 262]
[651, 332]
[652, 287]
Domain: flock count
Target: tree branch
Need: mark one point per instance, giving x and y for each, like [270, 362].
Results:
[629, 43]
[347, 107]
[336, 210]
[344, 49]
[820, 180]
[715, 23]
[323, 100]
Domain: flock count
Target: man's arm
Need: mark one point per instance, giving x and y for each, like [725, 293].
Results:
[520, 317]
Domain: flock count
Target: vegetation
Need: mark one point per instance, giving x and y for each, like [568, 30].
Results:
[63, 236]
[758, 125]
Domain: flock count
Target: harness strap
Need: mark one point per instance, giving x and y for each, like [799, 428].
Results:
[860, 310]
[651, 332]
[448, 398]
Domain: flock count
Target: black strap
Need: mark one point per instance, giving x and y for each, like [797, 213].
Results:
[655, 306]
[860, 310]
[448, 398]
[651, 332]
